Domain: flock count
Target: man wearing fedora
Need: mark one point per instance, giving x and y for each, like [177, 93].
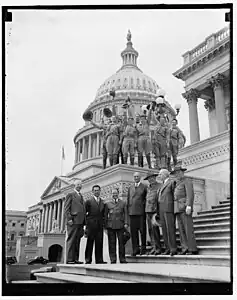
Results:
[166, 212]
[183, 209]
[151, 210]
[136, 200]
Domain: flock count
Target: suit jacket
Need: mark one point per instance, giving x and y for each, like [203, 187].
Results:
[136, 200]
[183, 195]
[94, 213]
[115, 214]
[74, 208]
[152, 197]
[166, 197]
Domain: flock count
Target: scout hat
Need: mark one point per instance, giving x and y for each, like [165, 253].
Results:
[178, 168]
[150, 174]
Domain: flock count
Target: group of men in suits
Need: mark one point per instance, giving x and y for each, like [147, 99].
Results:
[151, 207]
[158, 205]
[90, 218]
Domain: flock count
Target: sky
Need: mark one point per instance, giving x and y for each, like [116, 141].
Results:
[56, 61]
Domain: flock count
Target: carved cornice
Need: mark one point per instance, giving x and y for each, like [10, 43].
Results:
[191, 95]
[217, 81]
[209, 104]
[209, 154]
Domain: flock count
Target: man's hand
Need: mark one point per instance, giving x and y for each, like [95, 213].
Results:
[126, 226]
[188, 210]
[120, 142]
[85, 232]
[70, 222]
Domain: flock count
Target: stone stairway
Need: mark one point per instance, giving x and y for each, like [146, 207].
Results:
[212, 230]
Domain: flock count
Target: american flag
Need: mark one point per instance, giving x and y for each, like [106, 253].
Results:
[63, 153]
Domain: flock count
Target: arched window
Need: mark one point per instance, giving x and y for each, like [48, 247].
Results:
[95, 115]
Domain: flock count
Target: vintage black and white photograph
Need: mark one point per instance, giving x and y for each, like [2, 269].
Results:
[118, 129]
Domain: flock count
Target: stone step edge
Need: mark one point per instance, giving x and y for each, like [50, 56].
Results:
[184, 257]
[223, 205]
[212, 214]
[212, 225]
[213, 211]
[208, 231]
[214, 247]
[76, 278]
[164, 271]
[197, 219]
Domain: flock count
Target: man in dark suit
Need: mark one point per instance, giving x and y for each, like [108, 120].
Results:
[136, 200]
[74, 210]
[94, 226]
[116, 221]
[166, 211]
[183, 209]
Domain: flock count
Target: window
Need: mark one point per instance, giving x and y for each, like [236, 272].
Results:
[12, 237]
[22, 224]
[13, 224]
[5, 223]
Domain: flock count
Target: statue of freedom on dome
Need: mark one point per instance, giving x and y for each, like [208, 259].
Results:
[129, 36]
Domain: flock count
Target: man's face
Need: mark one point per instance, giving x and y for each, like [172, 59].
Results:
[162, 121]
[130, 121]
[162, 176]
[179, 174]
[143, 120]
[115, 194]
[137, 177]
[96, 191]
[152, 179]
[113, 119]
[78, 185]
[174, 123]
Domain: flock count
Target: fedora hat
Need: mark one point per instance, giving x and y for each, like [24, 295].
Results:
[178, 168]
[150, 174]
[88, 115]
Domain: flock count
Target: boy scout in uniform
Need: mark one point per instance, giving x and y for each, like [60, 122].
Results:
[113, 141]
[183, 208]
[115, 222]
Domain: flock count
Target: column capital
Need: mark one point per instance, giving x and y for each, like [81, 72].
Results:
[217, 81]
[209, 104]
[191, 95]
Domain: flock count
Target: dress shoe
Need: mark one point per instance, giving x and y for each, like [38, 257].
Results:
[70, 262]
[183, 252]
[78, 262]
[172, 253]
[158, 252]
[88, 262]
[143, 252]
[152, 252]
[101, 262]
[113, 262]
[123, 262]
[192, 252]
[167, 252]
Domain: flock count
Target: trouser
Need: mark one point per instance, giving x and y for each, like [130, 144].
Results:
[73, 239]
[94, 235]
[113, 234]
[112, 146]
[104, 154]
[186, 231]
[144, 145]
[160, 149]
[173, 151]
[167, 220]
[154, 232]
[120, 154]
[128, 148]
[136, 226]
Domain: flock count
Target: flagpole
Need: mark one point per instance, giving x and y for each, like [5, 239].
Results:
[62, 159]
[61, 166]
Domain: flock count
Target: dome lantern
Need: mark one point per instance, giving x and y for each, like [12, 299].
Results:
[129, 55]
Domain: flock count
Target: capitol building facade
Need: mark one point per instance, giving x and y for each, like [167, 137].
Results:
[206, 75]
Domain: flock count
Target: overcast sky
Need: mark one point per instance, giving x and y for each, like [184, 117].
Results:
[56, 61]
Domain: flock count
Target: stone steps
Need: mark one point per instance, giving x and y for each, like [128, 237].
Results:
[207, 227]
[25, 281]
[58, 277]
[213, 241]
[212, 233]
[214, 211]
[207, 260]
[221, 206]
[212, 220]
[225, 201]
[212, 214]
[140, 272]
[214, 250]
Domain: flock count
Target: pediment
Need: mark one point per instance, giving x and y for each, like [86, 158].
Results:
[56, 185]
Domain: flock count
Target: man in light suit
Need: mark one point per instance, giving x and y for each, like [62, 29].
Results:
[136, 200]
[183, 209]
[95, 209]
[166, 212]
[74, 210]
[116, 221]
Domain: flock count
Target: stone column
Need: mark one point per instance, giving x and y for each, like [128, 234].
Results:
[40, 220]
[97, 144]
[50, 217]
[83, 148]
[192, 96]
[62, 216]
[76, 153]
[55, 209]
[217, 84]
[58, 212]
[210, 107]
[78, 150]
[89, 147]
[46, 218]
